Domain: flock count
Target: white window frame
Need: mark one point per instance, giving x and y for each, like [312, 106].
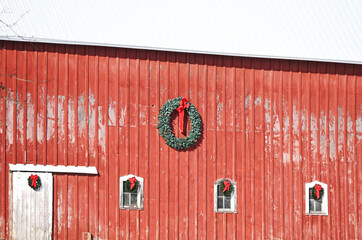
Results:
[139, 192]
[233, 200]
[324, 210]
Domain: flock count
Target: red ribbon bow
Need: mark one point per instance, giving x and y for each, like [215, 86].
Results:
[181, 111]
[34, 178]
[227, 185]
[317, 189]
[133, 182]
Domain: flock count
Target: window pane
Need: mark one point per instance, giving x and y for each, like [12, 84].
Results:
[125, 199]
[311, 205]
[228, 202]
[310, 193]
[125, 189]
[318, 206]
[134, 199]
[219, 190]
[220, 202]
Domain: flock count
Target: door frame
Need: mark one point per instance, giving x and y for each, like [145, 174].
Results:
[45, 169]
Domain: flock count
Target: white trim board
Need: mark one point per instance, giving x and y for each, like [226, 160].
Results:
[52, 169]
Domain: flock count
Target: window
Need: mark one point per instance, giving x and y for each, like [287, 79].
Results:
[316, 198]
[225, 196]
[131, 192]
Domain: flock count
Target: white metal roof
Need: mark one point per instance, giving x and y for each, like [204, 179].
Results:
[323, 30]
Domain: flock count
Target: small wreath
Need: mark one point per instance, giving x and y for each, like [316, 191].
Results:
[34, 181]
[135, 187]
[222, 187]
[314, 195]
[166, 132]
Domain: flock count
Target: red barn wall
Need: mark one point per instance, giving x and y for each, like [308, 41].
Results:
[270, 125]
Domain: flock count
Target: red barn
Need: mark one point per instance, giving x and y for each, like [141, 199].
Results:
[274, 92]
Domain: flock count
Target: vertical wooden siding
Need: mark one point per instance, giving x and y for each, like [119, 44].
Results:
[270, 125]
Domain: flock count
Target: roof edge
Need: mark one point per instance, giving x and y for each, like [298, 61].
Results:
[52, 41]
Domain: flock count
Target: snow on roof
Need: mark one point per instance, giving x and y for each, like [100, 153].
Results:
[323, 30]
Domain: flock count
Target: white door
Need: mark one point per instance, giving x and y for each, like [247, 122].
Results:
[32, 209]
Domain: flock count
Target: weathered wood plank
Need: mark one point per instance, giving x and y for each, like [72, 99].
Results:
[144, 144]
[164, 151]
[113, 138]
[103, 143]
[174, 157]
[93, 85]
[124, 133]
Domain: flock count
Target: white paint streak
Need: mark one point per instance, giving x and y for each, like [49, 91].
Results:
[304, 120]
[112, 113]
[359, 125]
[331, 121]
[20, 120]
[70, 209]
[295, 129]
[30, 119]
[82, 118]
[322, 136]
[349, 124]
[314, 131]
[332, 149]
[257, 101]
[332, 141]
[247, 101]
[230, 112]
[286, 157]
[2, 225]
[92, 124]
[91, 100]
[341, 133]
[267, 136]
[50, 117]
[60, 213]
[9, 120]
[101, 130]
[267, 104]
[122, 116]
[359, 128]
[61, 117]
[71, 120]
[286, 123]
[276, 122]
[219, 111]
[142, 114]
[40, 128]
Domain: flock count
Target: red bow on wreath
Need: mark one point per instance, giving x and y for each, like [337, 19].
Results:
[317, 189]
[133, 182]
[34, 178]
[181, 111]
[227, 185]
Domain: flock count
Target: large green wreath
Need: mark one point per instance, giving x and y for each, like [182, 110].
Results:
[166, 132]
